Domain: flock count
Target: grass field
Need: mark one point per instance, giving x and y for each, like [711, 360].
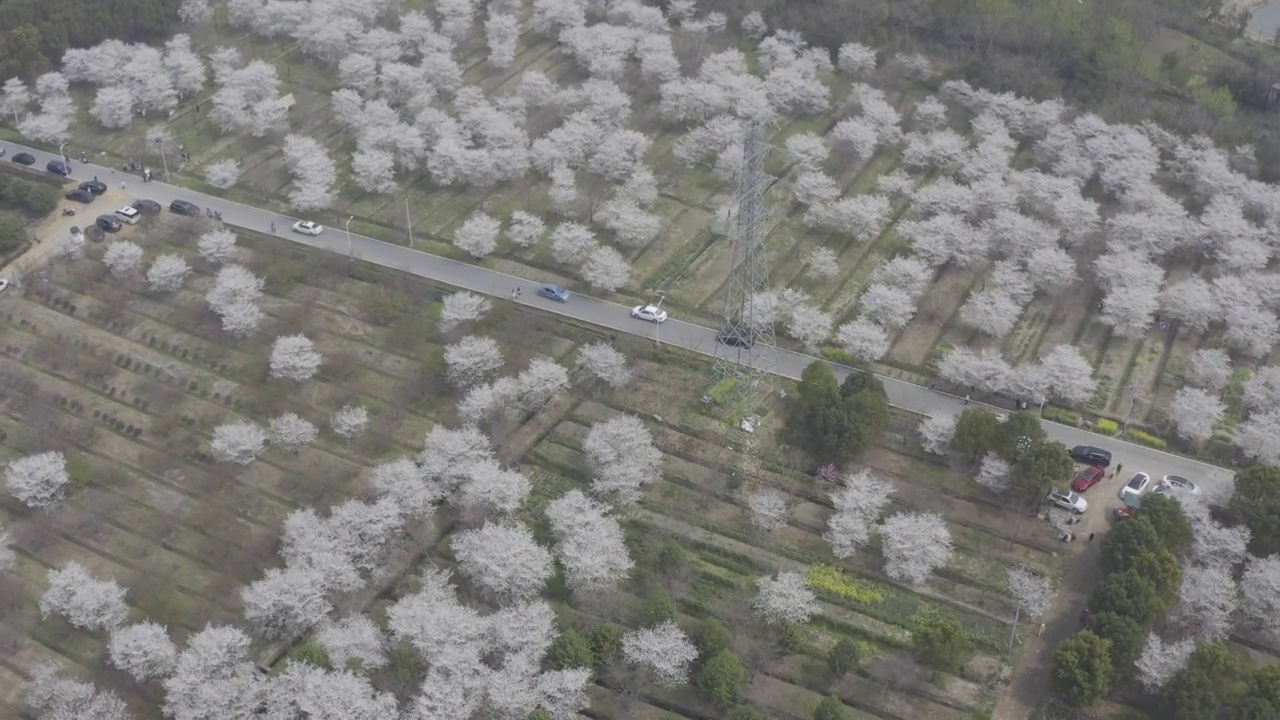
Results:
[131, 385]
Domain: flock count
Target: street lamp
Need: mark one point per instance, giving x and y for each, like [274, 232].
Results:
[1042, 399]
[661, 296]
[62, 150]
[350, 251]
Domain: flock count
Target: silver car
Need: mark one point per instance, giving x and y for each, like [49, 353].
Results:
[1068, 500]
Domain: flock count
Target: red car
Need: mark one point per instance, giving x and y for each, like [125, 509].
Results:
[1087, 478]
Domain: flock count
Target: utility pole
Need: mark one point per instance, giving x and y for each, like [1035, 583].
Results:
[350, 251]
[656, 339]
[1133, 396]
[163, 159]
[408, 220]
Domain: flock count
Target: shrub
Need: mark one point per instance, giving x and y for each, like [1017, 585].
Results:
[1145, 438]
[1106, 427]
[838, 355]
[832, 580]
[1059, 415]
[721, 392]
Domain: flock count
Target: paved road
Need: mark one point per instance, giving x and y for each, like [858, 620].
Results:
[586, 309]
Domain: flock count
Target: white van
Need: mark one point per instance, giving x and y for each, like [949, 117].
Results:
[128, 214]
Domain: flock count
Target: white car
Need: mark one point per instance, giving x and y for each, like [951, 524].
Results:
[1137, 485]
[1180, 484]
[651, 313]
[306, 227]
[4, 285]
[128, 214]
[1068, 500]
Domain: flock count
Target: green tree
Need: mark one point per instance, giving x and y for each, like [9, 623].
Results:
[314, 653]
[12, 231]
[831, 708]
[1168, 520]
[1018, 434]
[867, 405]
[722, 677]
[1162, 570]
[671, 561]
[1127, 637]
[1261, 700]
[571, 650]
[1081, 669]
[1041, 466]
[785, 637]
[1199, 689]
[1126, 541]
[710, 637]
[940, 643]
[1127, 593]
[606, 644]
[540, 713]
[657, 607]
[745, 712]
[976, 431]
[842, 658]
[1256, 502]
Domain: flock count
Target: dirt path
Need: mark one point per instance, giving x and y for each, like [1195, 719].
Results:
[1081, 574]
[49, 232]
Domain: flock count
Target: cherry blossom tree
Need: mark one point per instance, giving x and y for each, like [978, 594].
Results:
[290, 432]
[813, 187]
[601, 361]
[822, 264]
[304, 690]
[986, 370]
[38, 481]
[664, 650]
[993, 311]
[248, 99]
[488, 487]
[936, 432]
[855, 59]
[863, 339]
[502, 32]
[1160, 661]
[622, 456]
[753, 25]
[606, 269]
[294, 358]
[355, 637]
[1067, 374]
[1050, 268]
[237, 442]
[478, 236]
[55, 697]
[631, 224]
[914, 545]
[8, 559]
[807, 150]
[590, 544]
[1033, 593]
[525, 229]
[1260, 594]
[1207, 600]
[143, 650]
[1259, 436]
[186, 69]
[447, 455]
[1213, 543]
[349, 421]
[1208, 368]
[217, 246]
[123, 258]
[471, 361]
[808, 324]
[87, 602]
[214, 677]
[314, 174]
[859, 503]
[888, 306]
[572, 242]
[930, 113]
[374, 170]
[401, 482]
[785, 598]
[994, 473]
[113, 106]
[1191, 301]
[768, 509]
[1262, 390]
[462, 307]
[14, 98]
[168, 272]
[1195, 412]
[232, 298]
[503, 560]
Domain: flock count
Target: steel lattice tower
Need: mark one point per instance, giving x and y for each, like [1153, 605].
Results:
[748, 276]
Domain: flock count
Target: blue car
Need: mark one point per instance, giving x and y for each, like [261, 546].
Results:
[554, 292]
[58, 167]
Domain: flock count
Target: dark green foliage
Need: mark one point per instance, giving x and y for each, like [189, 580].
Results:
[1256, 503]
[744, 712]
[671, 562]
[1168, 520]
[606, 644]
[1042, 465]
[722, 678]
[540, 714]
[36, 32]
[1128, 594]
[786, 638]
[571, 649]
[314, 653]
[976, 432]
[831, 708]
[1081, 670]
[1262, 698]
[32, 198]
[1127, 637]
[657, 607]
[842, 658]
[1200, 688]
[710, 637]
[12, 231]
[941, 643]
[283, 274]
[1128, 540]
[1017, 434]
[1162, 570]
[835, 421]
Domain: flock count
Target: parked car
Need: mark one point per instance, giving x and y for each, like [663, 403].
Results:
[57, 167]
[649, 313]
[1069, 501]
[184, 207]
[1179, 483]
[108, 223]
[128, 214]
[97, 187]
[306, 227]
[80, 196]
[4, 285]
[24, 158]
[94, 233]
[147, 207]
[1087, 478]
[2, 152]
[554, 292]
[737, 338]
[1137, 485]
[1089, 455]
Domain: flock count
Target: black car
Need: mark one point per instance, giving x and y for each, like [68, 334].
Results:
[147, 207]
[184, 207]
[94, 233]
[24, 159]
[1089, 455]
[108, 223]
[97, 187]
[80, 195]
[737, 337]
[57, 167]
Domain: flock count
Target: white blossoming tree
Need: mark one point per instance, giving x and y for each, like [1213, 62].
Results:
[936, 432]
[589, 543]
[290, 432]
[39, 480]
[664, 650]
[503, 560]
[915, 544]
[86, 601]
[1033, 593]
[859, 503]
[785, 598]
[123, 259]
[768, 509]
[237, 442]
[462, 307]
[349, 421]
[623, 458]
[294, 358]
[217, 246]
[167, 273]
[143, 650]
[471, 361]
[478, 236]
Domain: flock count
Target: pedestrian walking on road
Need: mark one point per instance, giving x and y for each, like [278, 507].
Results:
[273, 227]
[966, 399]
[1119, 468]
[122, 185]
[1091, 536]
[1041, 630]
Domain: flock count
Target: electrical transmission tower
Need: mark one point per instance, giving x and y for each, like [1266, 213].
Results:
[746, 348]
